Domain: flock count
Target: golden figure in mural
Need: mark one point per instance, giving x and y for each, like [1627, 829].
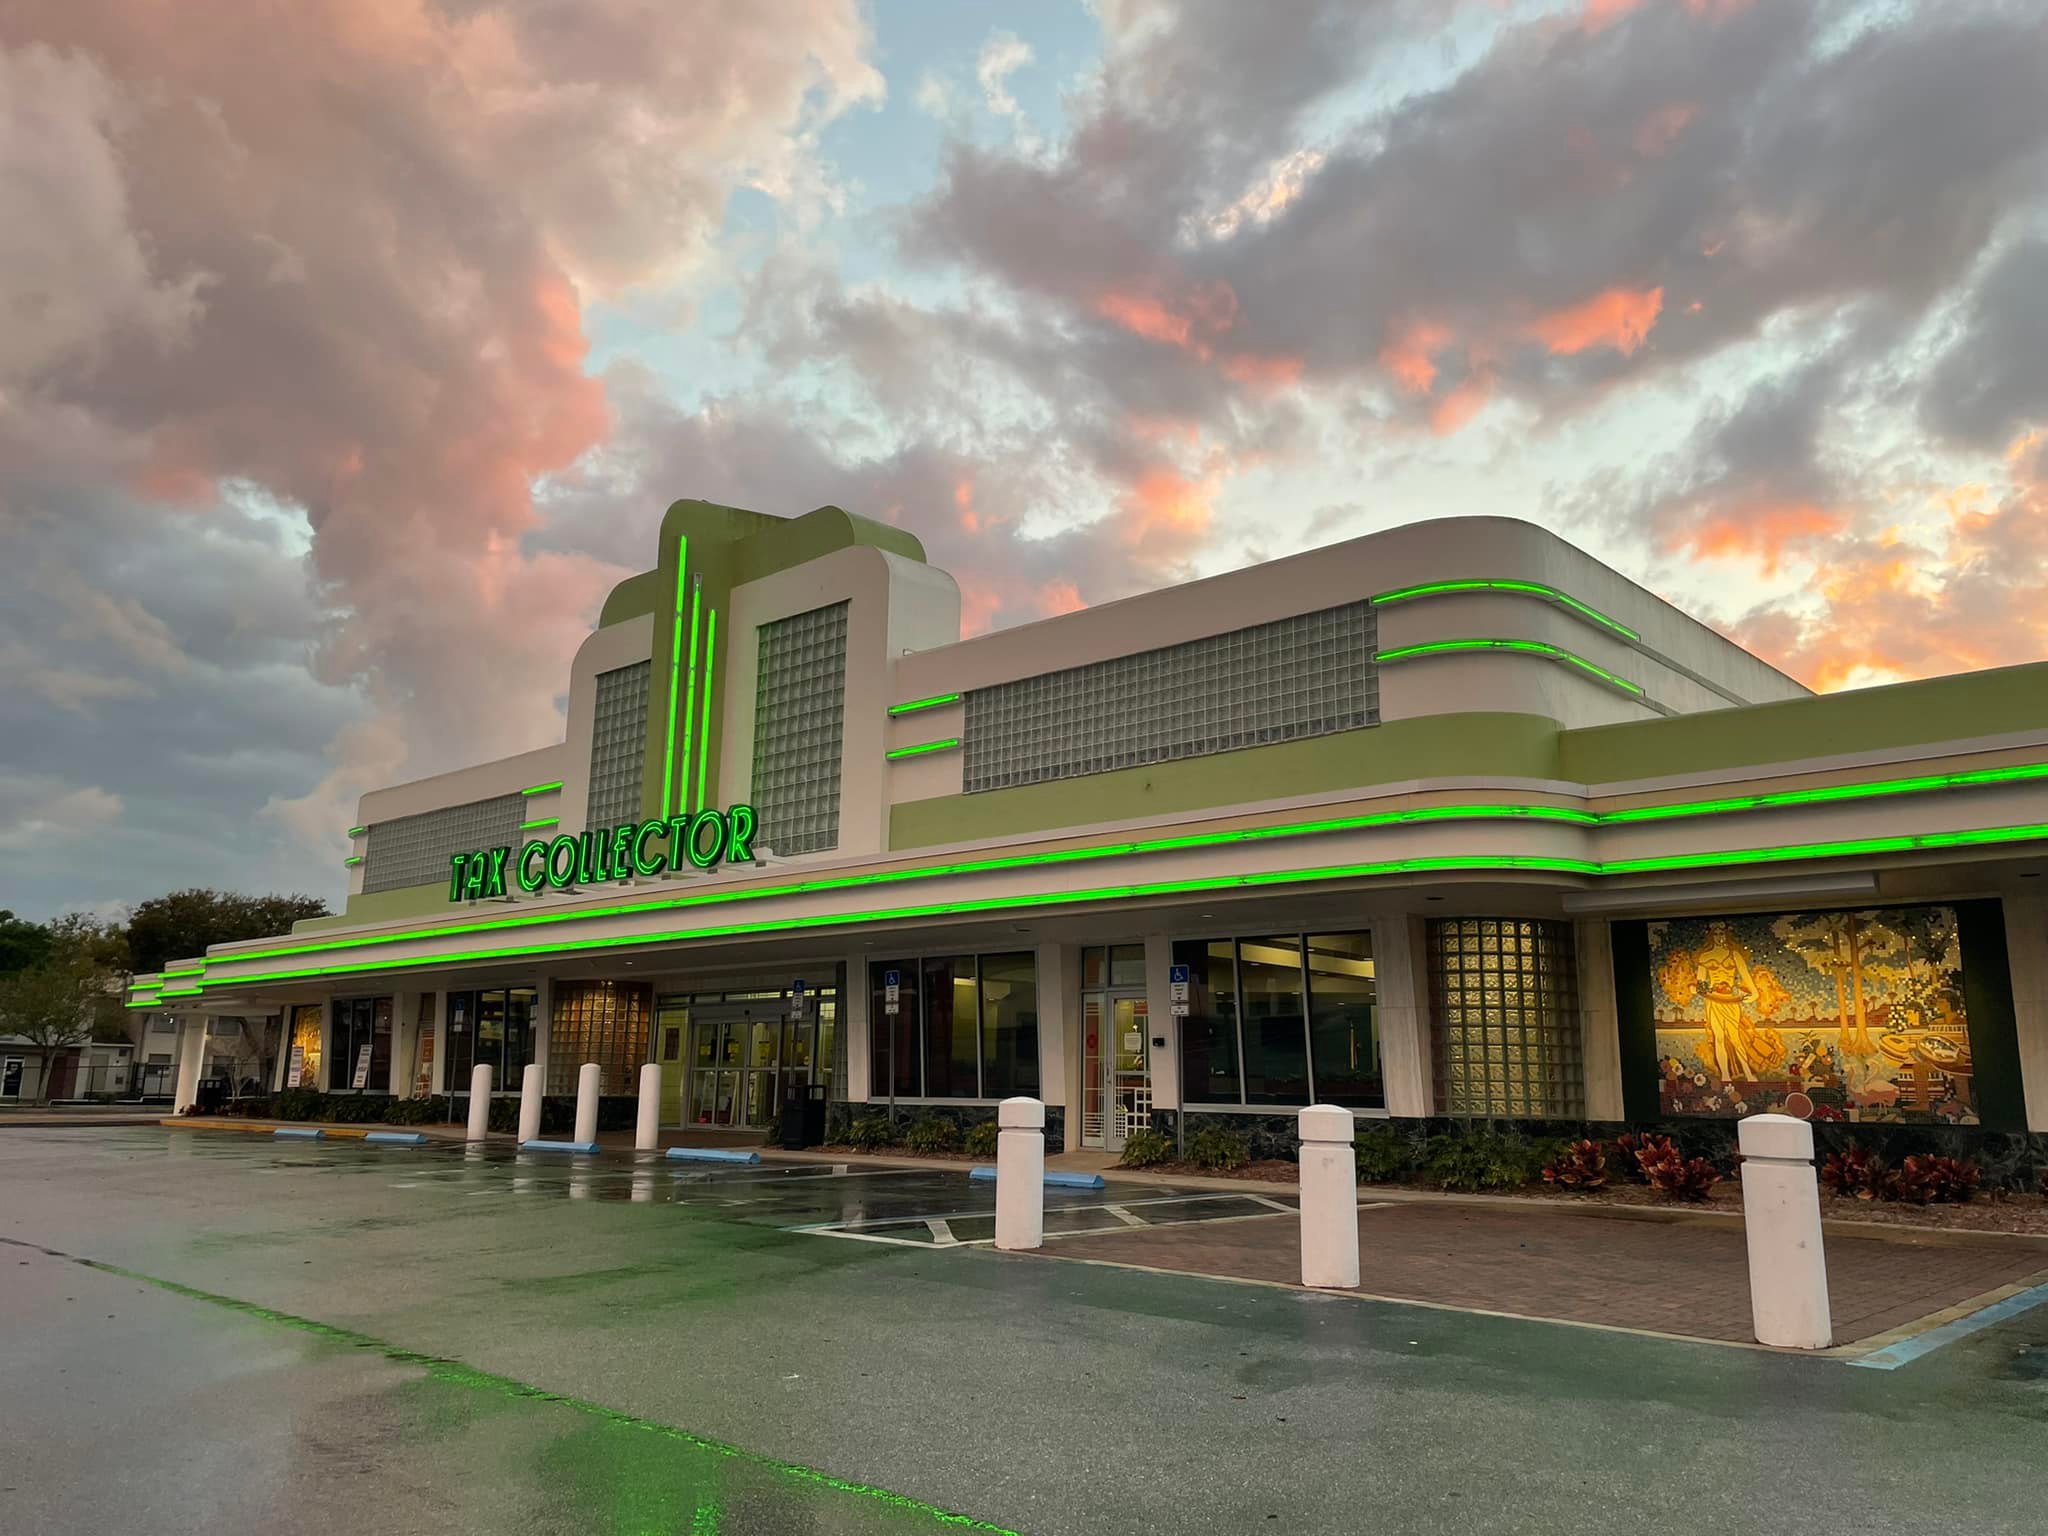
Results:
[1738, 1049]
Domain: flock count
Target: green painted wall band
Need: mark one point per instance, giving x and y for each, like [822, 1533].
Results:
[949, 744]
[1527, 588]
[934, 702]
[1526, 647]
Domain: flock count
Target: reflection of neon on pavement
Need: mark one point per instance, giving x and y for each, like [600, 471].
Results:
[458, 1374]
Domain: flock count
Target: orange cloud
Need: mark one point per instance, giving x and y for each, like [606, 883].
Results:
[1410, 355]
[1661, 129]
[1263, 372]
[1620, 318]
[1165, 507]
[1188, 321]
[1764, 532]
[1457, 408]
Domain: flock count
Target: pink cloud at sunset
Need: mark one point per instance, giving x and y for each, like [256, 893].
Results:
[1621, 318]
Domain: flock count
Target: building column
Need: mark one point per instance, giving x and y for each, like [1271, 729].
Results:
[543, 1033]
[1059, 995]
[1401, 1000]
[405, 1010]
[2026, 947]
[1162, 1028]
[191, 1061]
[855, 1030]
[1600, 1024]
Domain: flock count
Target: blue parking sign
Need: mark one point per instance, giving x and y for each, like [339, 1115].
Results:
[1178, 975]
[891, 978]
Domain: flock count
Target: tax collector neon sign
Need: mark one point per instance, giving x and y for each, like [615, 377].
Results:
[702, 841]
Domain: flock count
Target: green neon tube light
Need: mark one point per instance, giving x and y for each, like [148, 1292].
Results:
[190, 970]
[704, 735]
[1001, 862]
[357, 831]
[538, 822]
[146, 1002]
[181, 992]
[1531, 588]
[945, 745]
[689, 704]
[1925, 841]
[675, 672]
[353, 860]
[1973, 778]
[933, 702]
[1529, 647]
[541, 789]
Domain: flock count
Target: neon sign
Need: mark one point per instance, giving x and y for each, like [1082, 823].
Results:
[701, 841]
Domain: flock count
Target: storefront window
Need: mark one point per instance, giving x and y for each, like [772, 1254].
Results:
[1297, 1011]
[305, 1041]
[1343, 1041]
[1208, 1035]
[1009, 1025]
[970, 1023]
[1275, 1033]
[494, 1027]
[359, 1023]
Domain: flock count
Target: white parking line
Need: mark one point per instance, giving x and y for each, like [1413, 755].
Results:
[941, 1231]
[1126, 1217]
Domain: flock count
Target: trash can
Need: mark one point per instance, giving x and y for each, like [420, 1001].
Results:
[211, 1094]
[803, 1116]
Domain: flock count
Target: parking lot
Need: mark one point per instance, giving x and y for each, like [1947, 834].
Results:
[332, 1336]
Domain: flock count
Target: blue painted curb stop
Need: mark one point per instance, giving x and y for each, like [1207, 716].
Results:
[712, 1155]
[397, 1138]
[299, 1133]
[1052, 1180]
[558, 1146]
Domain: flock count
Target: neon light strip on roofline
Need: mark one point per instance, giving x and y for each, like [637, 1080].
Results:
[675, 672]
[994, 864]
[1528, 647]
[357, 831]
[1208, 887]
[704, 735]
[353, 860]
[1530, 588]
[946, 745]
[914, 705]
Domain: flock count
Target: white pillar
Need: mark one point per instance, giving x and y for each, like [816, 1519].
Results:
[1788, 1271]
[1599, 1019]
[1160, 1024]
[2026, 948]
[854, 1025]
[1329, 1197]
[1020, 1173]
[191, 1061]
[1401, 1009]
[589, 1084]
[648, 1131]
[1059, 996]
[529, 1103]
[480, 1101]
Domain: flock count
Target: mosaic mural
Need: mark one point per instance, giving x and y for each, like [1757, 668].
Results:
[1823, 1015]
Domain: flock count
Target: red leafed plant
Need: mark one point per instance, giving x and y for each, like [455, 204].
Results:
[1854, 1173]
[2044, 1183]
[1672, 1173]
[1630, 1147]
[1581, 1166]
[1934, 1180]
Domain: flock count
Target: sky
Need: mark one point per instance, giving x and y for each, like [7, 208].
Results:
[350, 350]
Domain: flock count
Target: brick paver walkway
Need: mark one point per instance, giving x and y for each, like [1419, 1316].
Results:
[1670, 1277]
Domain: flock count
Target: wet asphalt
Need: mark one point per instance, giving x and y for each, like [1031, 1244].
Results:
[217, 1333]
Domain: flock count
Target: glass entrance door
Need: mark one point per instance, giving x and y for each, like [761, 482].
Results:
[744, 1054]
[1116, 1069]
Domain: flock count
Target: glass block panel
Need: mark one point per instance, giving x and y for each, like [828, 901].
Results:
[601, 1021]
[799, 730]
[1504, 1010]
[618, 745]
[1297, 677]
[415, 850]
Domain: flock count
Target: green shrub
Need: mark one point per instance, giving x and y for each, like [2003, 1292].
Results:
[981, 1139]
[871, 1133]
[936, 1134]
[1147, 1149]
[1384, 1155]
[1214, 1147]
[422, 1111]
[297, 1104]
[504, 1115]
[1477, 1159]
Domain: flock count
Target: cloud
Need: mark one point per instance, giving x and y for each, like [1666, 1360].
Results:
[1001, 57]
[1620, 318]
[37, 811]
[1993, 377]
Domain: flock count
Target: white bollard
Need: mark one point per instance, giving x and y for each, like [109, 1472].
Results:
[1788, 1269]
[1329, 1197]
[589, 1084]
[529, 1103]
[1020, 1174]
[480, 1101]
[648, 1131]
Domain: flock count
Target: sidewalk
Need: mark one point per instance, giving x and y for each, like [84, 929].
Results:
[91, 1115]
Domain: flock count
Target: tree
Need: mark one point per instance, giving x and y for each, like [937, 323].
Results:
[52, 1005]
[22, 943]
[184, 924]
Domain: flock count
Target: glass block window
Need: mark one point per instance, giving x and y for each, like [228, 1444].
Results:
[799, 730]
[1303, 676]
[1504, 1010]
[601, 1021]
[618, 745]
[414, 850]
